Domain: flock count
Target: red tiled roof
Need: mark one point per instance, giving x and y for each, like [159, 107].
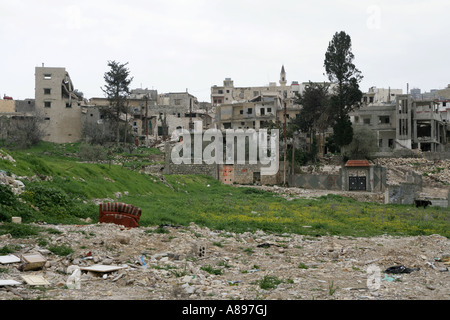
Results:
[357, 163]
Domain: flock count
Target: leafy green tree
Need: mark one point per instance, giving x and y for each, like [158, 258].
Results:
[342, 71]
[313, 116]
[364, 143]
[117, 91]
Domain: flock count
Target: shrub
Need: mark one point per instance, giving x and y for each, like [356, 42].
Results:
[62, 250]
[7, 197]
[269, 282]
[89, 152]
[211, 270]
[18, 230]
[46, 197]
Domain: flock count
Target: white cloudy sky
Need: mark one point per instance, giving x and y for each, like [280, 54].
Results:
[174, 45]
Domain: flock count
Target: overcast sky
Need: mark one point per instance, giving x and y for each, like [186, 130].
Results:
[174, 45]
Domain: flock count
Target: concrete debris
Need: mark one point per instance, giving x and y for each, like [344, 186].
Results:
[35, 280]
[190, 262]
[32, 261]
[10, 258]
[17, 186]
[9, 283]
[6, 156]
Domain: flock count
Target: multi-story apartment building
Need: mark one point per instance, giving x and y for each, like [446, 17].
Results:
[380, 95]
[254, 107]
[56, 100]
[154, 116]
[406, 124]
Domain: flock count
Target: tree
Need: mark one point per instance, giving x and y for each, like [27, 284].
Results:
[313, 115]
[117, 91]
[364, 143]
[347, 95]
[22, 132]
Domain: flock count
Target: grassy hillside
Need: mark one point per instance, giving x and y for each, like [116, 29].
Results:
[62, 188]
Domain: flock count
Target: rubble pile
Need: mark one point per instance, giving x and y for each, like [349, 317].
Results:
[110, 262]
[290, 193]
[17, 186]
[434, 173]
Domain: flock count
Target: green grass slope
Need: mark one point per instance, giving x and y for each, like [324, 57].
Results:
[60, 189]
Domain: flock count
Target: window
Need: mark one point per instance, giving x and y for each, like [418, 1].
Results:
[384, 120]
[391, 143]
[366, 120]
[250, 111]
[220, 91]
[177, 102]
[47, 76]
[263, 111]
[269, 109]
[47, 104]
[68, 105]
[179, 115]
[47, 91]
[241, 111]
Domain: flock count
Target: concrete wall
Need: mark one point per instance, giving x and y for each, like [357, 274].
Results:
[375, 179]
[318, 181]
[228, 174]
[401, 194]
[250, 174]
[26, 106]
[7, 106]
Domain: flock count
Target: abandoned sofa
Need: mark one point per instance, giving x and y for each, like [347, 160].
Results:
[119, 213]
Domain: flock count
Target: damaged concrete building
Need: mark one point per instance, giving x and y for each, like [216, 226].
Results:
[59, 103]
[153, 117]
[13, 111]
[404, 124]
[254, 107]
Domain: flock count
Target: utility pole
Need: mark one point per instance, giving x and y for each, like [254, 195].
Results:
[146, 119]
[285, 144]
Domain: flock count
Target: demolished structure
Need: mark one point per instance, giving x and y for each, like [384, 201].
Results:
[405, 124]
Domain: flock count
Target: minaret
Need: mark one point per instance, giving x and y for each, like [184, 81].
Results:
[283, 80]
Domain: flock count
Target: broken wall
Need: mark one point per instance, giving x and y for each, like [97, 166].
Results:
[318, 181]
[404, 193]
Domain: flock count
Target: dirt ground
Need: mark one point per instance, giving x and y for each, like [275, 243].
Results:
[200, 264]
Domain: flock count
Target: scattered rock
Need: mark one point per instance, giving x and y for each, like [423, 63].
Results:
[185, 264]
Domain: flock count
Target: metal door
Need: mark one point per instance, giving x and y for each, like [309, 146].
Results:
[357, 183]
[227, 175]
